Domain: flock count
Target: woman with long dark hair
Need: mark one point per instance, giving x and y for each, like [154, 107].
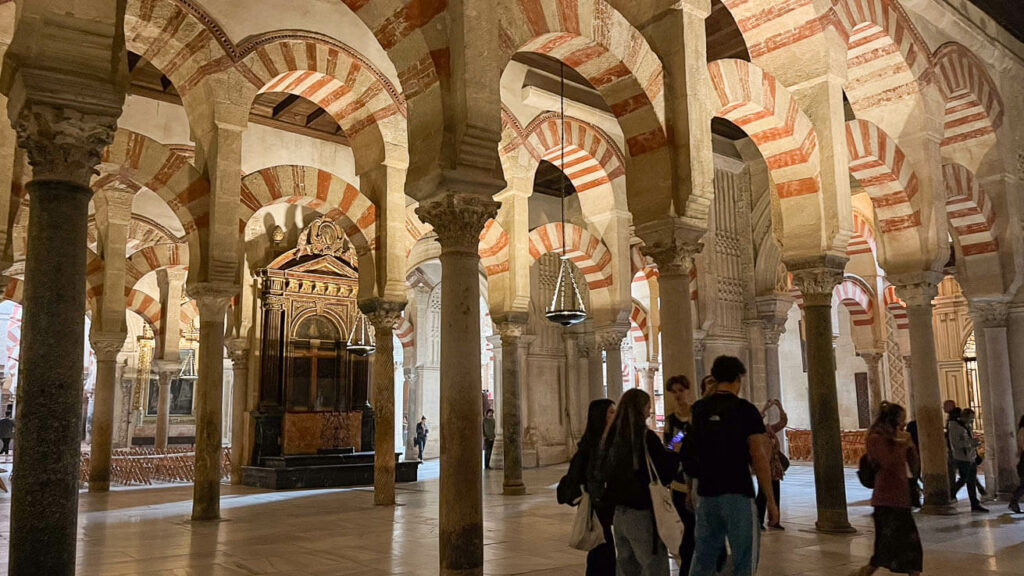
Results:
[897, 542]
[627, 447]
[1019, 492]
[585, 473]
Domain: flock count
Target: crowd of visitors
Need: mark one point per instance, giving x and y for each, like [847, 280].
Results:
[707, 456]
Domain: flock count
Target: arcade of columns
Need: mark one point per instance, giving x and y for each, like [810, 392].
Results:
[880, 154]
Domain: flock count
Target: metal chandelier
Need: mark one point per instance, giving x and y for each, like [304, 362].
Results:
[360, 338]
[566, 305]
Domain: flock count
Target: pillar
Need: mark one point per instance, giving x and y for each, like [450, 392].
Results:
[165, 372]
[672, 245]
[1015, 340]
[875, 394]
[63, 147]
[1000, 424]
[412, 409]
[576, 409]
[107, 345]
[908, 381]
[238, 352]
[816, 285]
[213, 300]
[458, 220]
[384, 315]
[647, 374]
[611, 342]
[918, 291]
[595, 370]
[511, 326]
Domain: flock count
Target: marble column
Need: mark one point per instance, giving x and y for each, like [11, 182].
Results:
[611, 342]
[1015, 340]
[413, 409]
[213, 300]
[574, 427]
[63, 147]
[458, 220]
[107, 345]
[1000, 424]
[647, 375]
[238, 352]
[511, 326]
[672, 245]
[384, 315]
[816, 285]
[908, 383]
[498, 452]
[165, 370]
[875, 389]
[918, 291]
[595, 370]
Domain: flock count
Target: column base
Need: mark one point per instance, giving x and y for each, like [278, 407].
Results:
[834, 528]
[939, 510]
[513, 489]
[99, 486]
[498, 455]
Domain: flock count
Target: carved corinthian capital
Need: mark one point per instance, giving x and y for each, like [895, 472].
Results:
[917, 289]
[383, 313]
[671, 245]
[62, 143]
[107, 345]
[458, 220]
[816, 284]
[989, 314]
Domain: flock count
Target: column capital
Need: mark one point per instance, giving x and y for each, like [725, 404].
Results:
[511, 325]
[212, 298]
[163, 367]
[63, 143]
[107, 345]
[382, 313]
[917, 288]
[872, 357]
[118, 200]
[671, 244]
[989, 313]
[458, 219]
[817, 283]
[238, 350]
[610, 337]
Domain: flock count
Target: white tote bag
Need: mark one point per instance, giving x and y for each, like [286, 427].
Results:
[586, 530]
[666, 518]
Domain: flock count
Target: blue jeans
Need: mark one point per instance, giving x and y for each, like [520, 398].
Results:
[728, 516]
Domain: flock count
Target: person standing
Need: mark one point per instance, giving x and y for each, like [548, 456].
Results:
[489, 435]
[678, 423]
[6, 433]
[775, 454]
[727, 437]
[952, 412]
[965, 452]
[585, 473]
[891, 450]
[1019, 492]
[631, 449]
[421, 435]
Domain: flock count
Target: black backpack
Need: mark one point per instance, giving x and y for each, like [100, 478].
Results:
[867, 469]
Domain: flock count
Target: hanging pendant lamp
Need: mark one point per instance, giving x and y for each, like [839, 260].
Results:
[566, 304]
[360, 339]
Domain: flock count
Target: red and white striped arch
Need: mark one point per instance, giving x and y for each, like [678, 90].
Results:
[494, 249]
[863, 239]
[406, 333]
[887, 58]
[969, 211]
[154, 258]
[753, 100]
[897, 307]
[768, 26]
[592, 159]
[598, 42]
[857, 300]
[974, 107]
[882, 169]
[587, 251]
[639, 328]
[147, 307]
[14, 290]
[317, 189]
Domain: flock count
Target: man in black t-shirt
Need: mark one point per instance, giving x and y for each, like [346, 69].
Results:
[726, 438]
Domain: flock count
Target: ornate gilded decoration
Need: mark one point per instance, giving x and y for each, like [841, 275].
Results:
[323, 237]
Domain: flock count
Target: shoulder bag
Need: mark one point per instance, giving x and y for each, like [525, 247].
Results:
[666, 518]
[586, 530]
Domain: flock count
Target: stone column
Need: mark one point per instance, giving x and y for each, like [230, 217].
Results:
[107, 345]
[918, 291]
[875, 393]
[611, 342]
[458, 220]
[1000, 424]
[384, 315]
[412, 410]
[498, 452]
[511, 326]
[213, 300]
[816, 285]
[595, 370]
[908, 381]
[165, 372]
[63, 147]
[238, 352]
[1015, 340]
[672, 245]
[572, 397]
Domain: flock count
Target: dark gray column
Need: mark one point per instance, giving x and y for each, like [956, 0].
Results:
[511, 327]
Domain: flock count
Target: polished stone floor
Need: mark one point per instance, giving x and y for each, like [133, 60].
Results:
[319, 532]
